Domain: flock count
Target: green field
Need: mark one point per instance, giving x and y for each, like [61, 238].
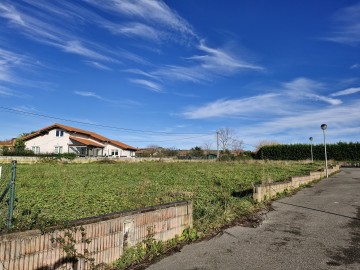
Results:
[49, 193]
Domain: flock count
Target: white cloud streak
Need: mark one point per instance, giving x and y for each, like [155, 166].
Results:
[291, 99]
[44, 26]
[212, 63]
[135, 29]
[148, 84]
[345, 92]
[153, 12]
[348, 26]
[98, 65]
[343, 121]
[237, 107]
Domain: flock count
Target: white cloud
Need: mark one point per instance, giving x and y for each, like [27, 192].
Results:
[136, 29]
[77, 47]
[246, 107]
[10, 62]
[331, 101]
[5, 91]
[355, 66]
[306, 88]
[206, 67]
[88, 94]
[342, 121]
[154, 12]
[122, 103]
[345, 92]
[9, 12]
[148, 84]
[45, 26]
[142, 73]
[288, 100]
[348, 26]
[98, 65]
[218, 60]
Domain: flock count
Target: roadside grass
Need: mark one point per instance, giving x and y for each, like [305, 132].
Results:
[52, 193]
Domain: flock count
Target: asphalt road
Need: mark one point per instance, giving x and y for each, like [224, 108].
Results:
[317, 228]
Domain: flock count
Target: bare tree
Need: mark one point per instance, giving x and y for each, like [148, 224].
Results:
[237, 146]
[227, 139]
[207, 146]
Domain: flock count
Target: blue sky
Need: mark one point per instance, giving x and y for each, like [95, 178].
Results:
[173, 72]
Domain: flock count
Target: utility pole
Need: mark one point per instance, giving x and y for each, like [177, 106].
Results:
[217, 144]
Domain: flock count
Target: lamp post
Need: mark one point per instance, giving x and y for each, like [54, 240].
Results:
[324, 127]
[312, 157]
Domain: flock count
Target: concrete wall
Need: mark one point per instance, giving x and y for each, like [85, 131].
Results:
[109, 234]
[268, 191]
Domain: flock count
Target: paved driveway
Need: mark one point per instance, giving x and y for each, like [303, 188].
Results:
[318, 228]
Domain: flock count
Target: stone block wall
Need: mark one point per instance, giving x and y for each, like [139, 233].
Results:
[270, 190]
[109, 235]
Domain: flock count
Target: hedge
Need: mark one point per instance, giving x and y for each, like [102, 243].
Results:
[339, 151]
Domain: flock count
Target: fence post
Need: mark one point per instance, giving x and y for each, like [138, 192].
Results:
[12, 193]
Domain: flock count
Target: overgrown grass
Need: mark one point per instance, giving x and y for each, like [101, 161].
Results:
[50, 193]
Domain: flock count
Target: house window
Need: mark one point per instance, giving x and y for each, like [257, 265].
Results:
[59, 133]
[114, 152]
[36, 149]
[58, 149]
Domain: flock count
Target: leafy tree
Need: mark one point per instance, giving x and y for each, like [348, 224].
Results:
[19, 145]
[196, 152]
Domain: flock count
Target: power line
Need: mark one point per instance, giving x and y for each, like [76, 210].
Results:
[98, 125]
[177, 139]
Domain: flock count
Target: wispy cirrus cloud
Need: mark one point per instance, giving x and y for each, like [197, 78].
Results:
[6, 92]
[43, 25]
[123, 102]
[135, 29]
[142, 73]
[89, 94]
[345, 92]
[12, 64]
[237, 107]
[205, 67]
[147, 84]
[77, 47]
[10, 13]
[220, 60]
[98, 65]
[291, 98]
[342, 121]
[347, 30]
[306, 88]
[157, 14]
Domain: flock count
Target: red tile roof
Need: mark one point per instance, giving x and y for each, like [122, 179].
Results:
[7, 142]
[81, 131]
[86, 142]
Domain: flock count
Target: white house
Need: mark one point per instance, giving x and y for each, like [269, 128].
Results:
[59, 138]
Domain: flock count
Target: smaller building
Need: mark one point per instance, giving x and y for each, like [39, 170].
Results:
[7, 144]
[59, 139]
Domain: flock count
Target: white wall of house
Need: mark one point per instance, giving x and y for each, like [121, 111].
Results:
[46, 143]
[111, 150]
[58, 140]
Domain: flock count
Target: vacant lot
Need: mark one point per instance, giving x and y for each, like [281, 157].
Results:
[48, 193]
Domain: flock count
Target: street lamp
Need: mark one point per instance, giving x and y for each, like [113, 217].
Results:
[312, 157]
[324, 127]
